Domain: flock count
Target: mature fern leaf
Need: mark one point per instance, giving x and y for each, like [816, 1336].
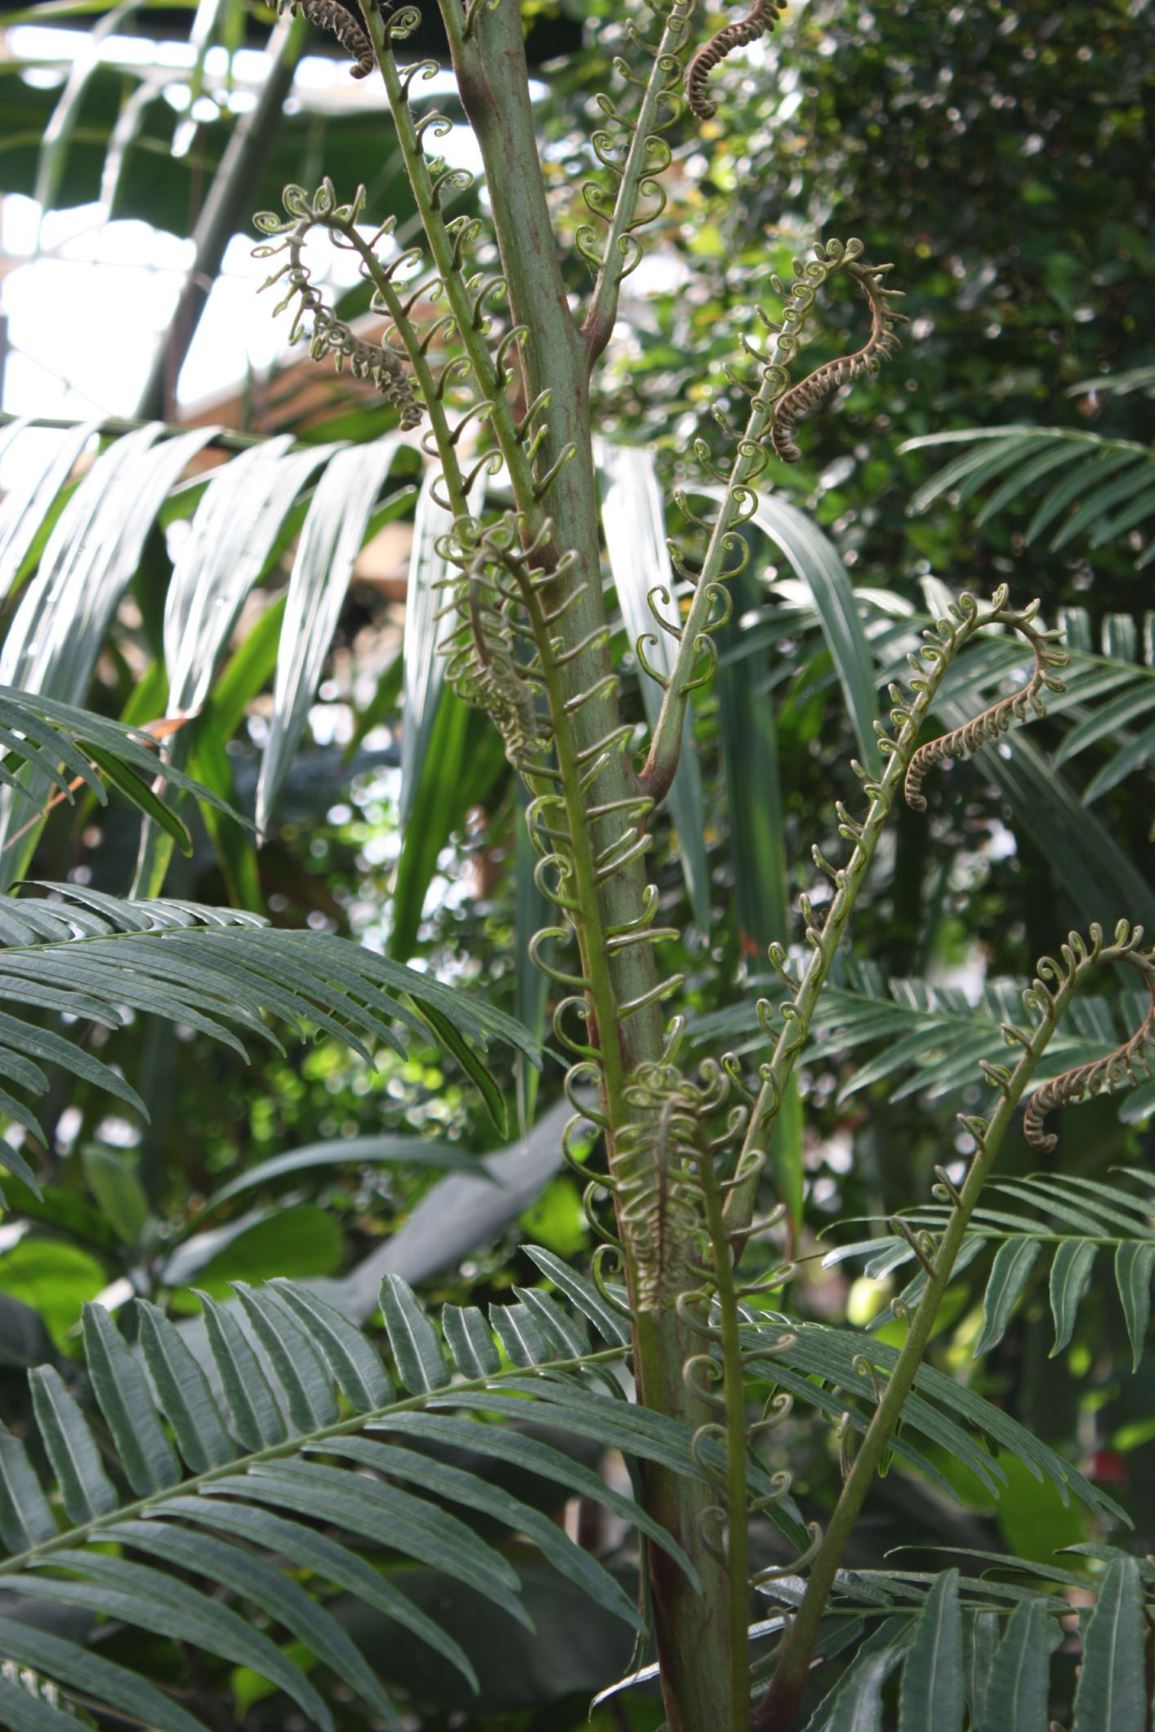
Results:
[1097, 489]
[310, 1455]
[97, 958]
[840, 1373]
[932, 1676]
[933, 1040]
[1112, 1689]
[1071, 1220]
[940, 1626]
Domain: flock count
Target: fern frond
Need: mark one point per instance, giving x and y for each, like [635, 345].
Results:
[88, 956]
[1063, 1219]
[1104, 488]
[840, 1372]
[975, 1650]
[316, 1451]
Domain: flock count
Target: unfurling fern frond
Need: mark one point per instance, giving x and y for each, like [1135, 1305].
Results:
[810, 393]
[1129, 1063]
[327, 334]
[97, 959]
[337, 19]
[317, 1452]
[758, 22]
[998, 717]
[726, 551]
[632, 151]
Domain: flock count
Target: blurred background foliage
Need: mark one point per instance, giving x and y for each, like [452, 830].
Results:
[1000, 156]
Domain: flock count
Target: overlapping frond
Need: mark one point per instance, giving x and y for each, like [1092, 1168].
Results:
[301, 1442]
[841, 1373]
[64, 749]
[933, 1040]
[97, 959]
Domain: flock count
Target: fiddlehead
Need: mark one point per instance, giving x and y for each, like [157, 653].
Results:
[486, 345]
[725, 552]
[943, 642]
[332, 16]
[672, 1171]
[810, 393]
[632, 151]
[327, 334]
[998, 717]
[1046, 1000]
[1131, 1062]
[758, 22]
[485, 606]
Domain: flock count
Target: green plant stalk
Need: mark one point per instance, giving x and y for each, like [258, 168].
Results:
[553, 361]
[423, 372]
[598, 325]
[691, 1629]
[798, 1013]
[441, 250]
[737, 1442]
[378, 1417]
[695, 1633]
[778, 1708]
[661, 763]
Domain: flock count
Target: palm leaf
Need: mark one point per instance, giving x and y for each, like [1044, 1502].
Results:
[50, 749]
[331, 538]
[336, 1477]
[634, 524]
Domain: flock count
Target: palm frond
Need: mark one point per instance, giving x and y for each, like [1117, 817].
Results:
[83, 955]
[307, 1446]
[935, 1040]
[60, 749]
[932, 1040]
[634, 525]
[1096, 489]
[1061, 1219]
[1115, 384]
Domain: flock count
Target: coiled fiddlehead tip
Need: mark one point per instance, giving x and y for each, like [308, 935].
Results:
[332, 16]
[793, 402]
[1133, 1061]
[329, 335]
[997, 718]
[758, 22]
